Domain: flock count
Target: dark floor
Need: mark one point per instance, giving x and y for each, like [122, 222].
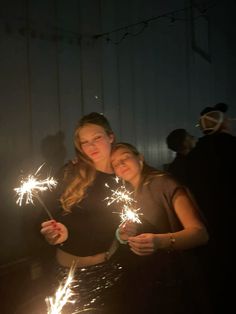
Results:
[23, 288]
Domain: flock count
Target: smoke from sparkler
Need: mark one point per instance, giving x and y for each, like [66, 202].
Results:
[122, 195]
[31, 186]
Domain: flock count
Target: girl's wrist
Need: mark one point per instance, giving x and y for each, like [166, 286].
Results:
[118, 237]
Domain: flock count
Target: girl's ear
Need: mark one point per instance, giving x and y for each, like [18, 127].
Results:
[141, 160]
[112, 138]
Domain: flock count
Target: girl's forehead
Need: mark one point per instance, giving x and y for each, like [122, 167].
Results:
[121, 151]
[90, 129]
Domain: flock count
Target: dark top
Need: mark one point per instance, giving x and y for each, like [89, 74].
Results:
[92, 223]
[178, 168]
[211, 178]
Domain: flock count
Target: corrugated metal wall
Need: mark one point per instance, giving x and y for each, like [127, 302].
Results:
[158, 75]
[53, 70]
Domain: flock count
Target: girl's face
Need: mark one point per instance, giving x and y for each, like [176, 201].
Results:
[126, 165]
[95, 142]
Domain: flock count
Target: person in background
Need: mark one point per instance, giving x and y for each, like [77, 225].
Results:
[84, 228]
[160, 278]
[211, 172]
[181, 142]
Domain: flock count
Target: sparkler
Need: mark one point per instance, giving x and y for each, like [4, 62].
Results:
[130, 214]
[31, 186]
[63, 295]
[122, 195]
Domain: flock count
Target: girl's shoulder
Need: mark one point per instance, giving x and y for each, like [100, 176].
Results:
[162, 183]
[160, 177]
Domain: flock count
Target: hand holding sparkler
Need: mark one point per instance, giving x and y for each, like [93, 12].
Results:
[30, 188]
[145, 243]
[54, 232]
[125, 230]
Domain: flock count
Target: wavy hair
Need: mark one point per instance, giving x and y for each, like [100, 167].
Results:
[80, 174]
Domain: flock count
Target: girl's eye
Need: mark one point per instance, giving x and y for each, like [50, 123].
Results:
[126, 157]
[83, 143]
[116, 165]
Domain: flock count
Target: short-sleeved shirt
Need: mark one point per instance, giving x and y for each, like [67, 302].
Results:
[155, 202]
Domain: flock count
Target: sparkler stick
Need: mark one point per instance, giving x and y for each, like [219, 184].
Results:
[31, 186]
[122, 195]
[44, 206]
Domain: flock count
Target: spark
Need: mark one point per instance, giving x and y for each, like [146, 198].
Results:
[122, 195]
[31, 186]
[63, 295]
[130, 214]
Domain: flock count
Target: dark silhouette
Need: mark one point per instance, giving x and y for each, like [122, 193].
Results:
[181, 142]
[211, 175]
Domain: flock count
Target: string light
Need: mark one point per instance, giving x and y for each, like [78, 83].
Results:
[171, 16]
[59, 34]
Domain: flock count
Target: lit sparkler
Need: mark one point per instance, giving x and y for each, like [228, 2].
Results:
[63, 295]
[130, 214]
[31, 186]
[122, 195]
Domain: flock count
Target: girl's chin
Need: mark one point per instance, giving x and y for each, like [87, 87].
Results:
[125, 176]
[94, 157]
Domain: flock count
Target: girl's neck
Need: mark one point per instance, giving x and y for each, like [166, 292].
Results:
[104, 167]
[135, 182]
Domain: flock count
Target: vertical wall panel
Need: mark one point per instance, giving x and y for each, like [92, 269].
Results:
[91, 66]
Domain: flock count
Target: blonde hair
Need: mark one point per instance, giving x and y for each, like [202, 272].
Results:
[147, 172]
[83, 170]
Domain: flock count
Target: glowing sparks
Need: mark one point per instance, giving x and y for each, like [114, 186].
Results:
[123, 196]
[31, 186]
[62, 296]
[130, 214]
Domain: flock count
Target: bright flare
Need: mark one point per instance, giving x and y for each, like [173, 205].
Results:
[130, 214]
[31, 186]
[62, 296]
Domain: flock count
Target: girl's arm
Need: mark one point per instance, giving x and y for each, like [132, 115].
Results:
[193, 234]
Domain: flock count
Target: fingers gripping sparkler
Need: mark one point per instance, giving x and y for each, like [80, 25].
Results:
[122, 195]
[30, 188]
